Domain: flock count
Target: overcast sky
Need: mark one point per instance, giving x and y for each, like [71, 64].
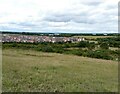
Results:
[66, 16]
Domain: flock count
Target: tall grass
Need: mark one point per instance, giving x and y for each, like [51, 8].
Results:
[33, 71]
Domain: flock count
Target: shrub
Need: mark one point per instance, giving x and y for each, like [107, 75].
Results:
[91, 46]
[99, 54]
[47, 49]
[104, 45]
[83, 44]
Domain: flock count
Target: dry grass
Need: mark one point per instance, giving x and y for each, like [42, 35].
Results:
[94, 37]
[25, 70]
[113, 48]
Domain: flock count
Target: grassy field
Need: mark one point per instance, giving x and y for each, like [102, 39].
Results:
[94, 37]
[26, 70]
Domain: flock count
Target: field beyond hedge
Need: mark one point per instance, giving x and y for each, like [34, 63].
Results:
[26, 70]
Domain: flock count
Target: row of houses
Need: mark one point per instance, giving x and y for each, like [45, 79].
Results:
[32, 39]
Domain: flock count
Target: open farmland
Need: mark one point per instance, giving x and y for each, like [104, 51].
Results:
[94, 37]
[26, 70]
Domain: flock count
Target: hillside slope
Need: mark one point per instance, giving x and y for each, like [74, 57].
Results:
[26, 71]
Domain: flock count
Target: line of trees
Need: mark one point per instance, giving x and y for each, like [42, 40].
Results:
[83, 48]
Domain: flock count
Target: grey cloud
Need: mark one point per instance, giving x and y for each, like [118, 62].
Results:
[73, 18]
[90, 17]
[83, 17]
[59, 18]
[23, 23]
[68, 17]
[111, 6]
[95, 3]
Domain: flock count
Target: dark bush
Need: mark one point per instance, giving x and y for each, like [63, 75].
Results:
[47, 49]
[104, 45]
[99, 54]
[91, 46]
[83, 44]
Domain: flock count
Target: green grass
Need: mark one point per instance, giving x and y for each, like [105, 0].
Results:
[26, 70]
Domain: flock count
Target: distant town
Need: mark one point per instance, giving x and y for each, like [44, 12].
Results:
[37, 39]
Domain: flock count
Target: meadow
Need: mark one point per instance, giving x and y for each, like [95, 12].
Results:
[35, 71]
[94, 37]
